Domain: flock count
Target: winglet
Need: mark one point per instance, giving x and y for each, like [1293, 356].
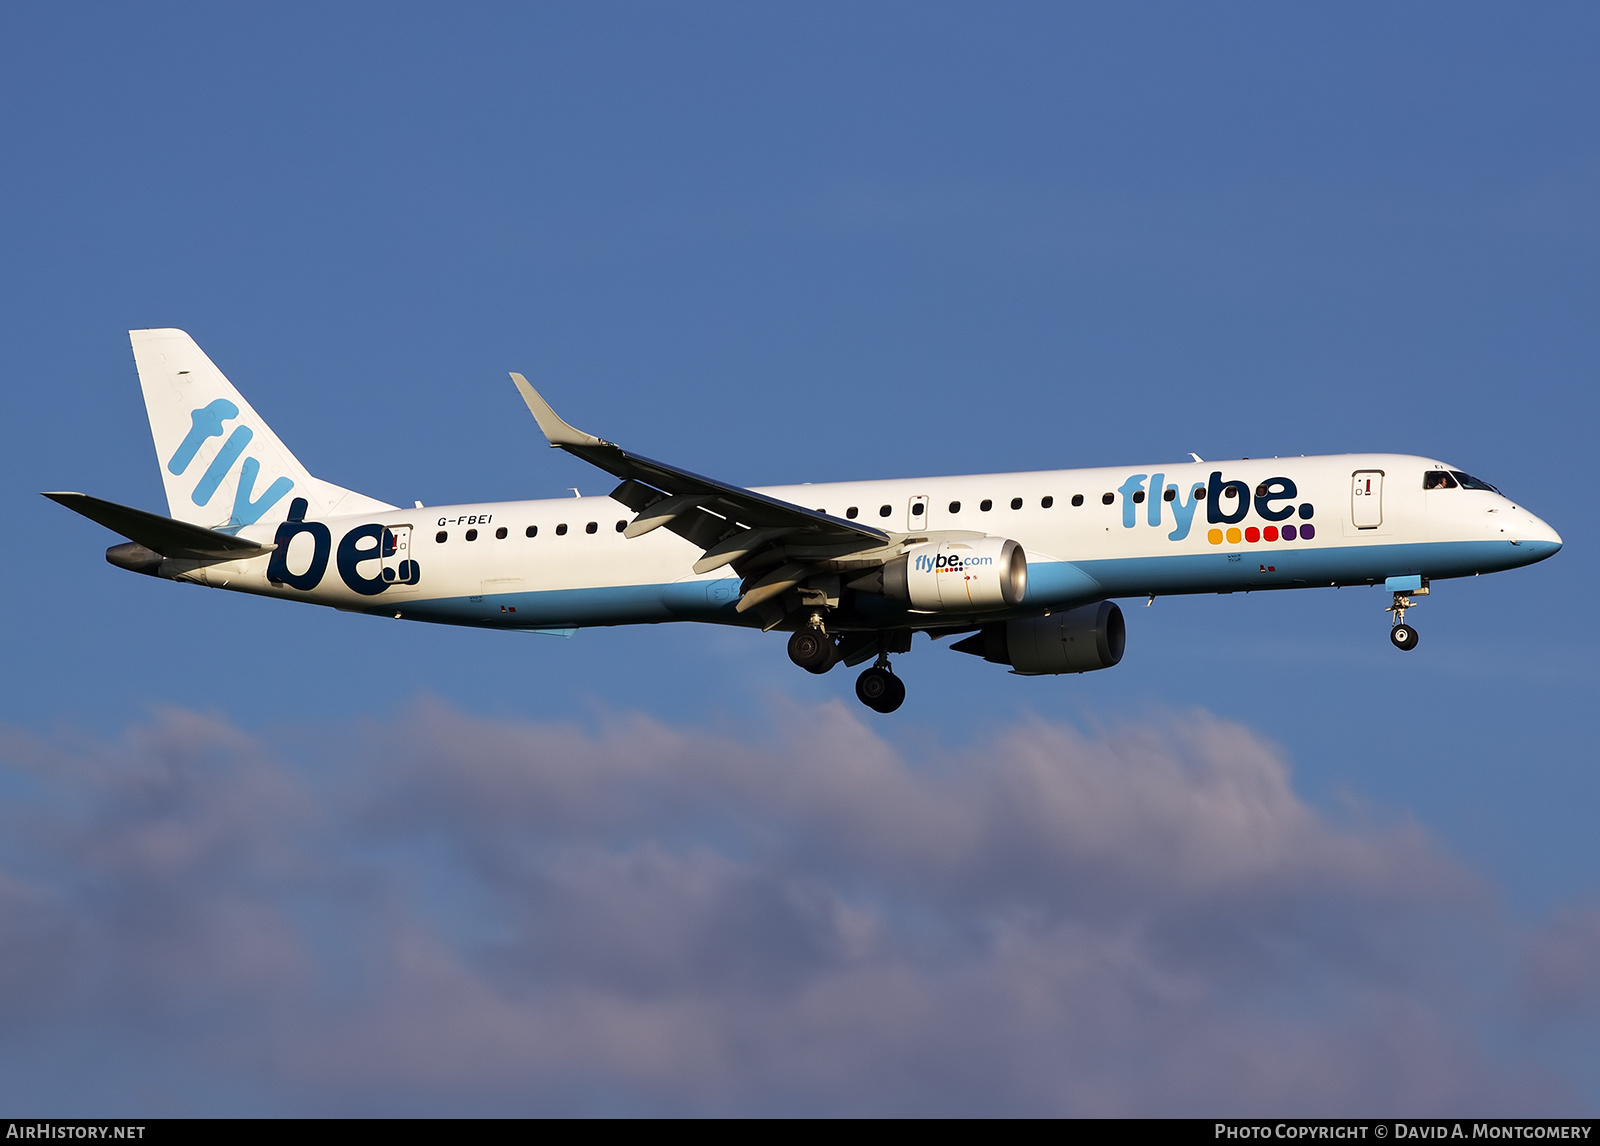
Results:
[550, 424]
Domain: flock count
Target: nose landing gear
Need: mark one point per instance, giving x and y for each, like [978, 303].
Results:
[1401, 635]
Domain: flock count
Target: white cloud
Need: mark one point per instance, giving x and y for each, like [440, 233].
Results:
[443, 912]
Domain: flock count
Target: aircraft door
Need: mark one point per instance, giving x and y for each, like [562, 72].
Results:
[1366, 499]
[917, 514]
[398, 568]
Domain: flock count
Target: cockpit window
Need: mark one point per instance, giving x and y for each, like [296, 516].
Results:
[1438, 479]
[1469, 482]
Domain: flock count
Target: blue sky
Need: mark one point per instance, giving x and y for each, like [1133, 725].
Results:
[780, 244]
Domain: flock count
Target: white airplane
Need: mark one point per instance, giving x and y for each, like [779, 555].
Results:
[1025, 564]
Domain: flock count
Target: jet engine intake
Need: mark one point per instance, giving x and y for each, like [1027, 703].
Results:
[1079, 640]
[959, 576]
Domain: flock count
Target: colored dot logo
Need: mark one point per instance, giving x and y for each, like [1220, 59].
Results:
[1252, 535]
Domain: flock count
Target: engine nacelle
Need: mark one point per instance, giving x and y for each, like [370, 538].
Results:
[1079, 640]
[959, 576]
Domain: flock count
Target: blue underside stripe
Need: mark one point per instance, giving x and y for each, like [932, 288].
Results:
[1051, 584]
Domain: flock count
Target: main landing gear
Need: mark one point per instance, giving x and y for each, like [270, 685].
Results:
[813, 650]
[879, 689]
[816, 651]
[1401, 635]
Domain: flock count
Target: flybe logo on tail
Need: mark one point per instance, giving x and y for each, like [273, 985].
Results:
[205, 424]
[1227, 503]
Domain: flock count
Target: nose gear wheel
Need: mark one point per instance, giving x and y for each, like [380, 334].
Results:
[1402, 635]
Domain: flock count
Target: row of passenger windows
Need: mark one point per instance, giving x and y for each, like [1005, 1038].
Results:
[984, 506]
[532, 531]
[917, 510]
[1045, 502]
[1171, 494]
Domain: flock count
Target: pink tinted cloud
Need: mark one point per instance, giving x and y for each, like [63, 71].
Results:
[1561, 964]
[445, 912]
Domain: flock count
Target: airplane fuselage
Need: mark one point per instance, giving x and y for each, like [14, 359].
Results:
[1028, 564]
[1089, 534]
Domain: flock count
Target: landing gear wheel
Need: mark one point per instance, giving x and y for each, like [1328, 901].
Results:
[812, 650]
[880, 690]
[1404, 637]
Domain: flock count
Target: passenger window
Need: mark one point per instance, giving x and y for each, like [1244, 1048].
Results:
[500, 534]
[441, 537]
[561, 530]
[472, 535]
[1169, 495]
[532, 531]
[1077, 499]
[1016, 503]
[1046, 502]
[1138, 497]
[986, 505]
[917, 509]
[1108, 499]
[884, 511]
[852, 512]
[621, 525]
[1199, 493]
[955, 507]
[591, 527]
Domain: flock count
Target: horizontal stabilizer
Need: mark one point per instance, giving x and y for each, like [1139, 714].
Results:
[163, 535]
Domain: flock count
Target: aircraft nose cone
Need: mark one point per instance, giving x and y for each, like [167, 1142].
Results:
[1542, 532]
[1537, 536]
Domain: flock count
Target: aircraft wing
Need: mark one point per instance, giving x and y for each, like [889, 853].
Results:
[178, 539]
[735, 526]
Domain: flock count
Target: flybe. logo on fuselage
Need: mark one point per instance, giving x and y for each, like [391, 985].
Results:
[1227, 504]
[359, 546]
[205, 424]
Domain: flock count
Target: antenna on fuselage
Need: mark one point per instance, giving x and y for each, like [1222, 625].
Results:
[1196, 456]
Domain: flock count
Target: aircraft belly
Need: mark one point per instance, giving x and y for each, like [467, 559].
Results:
[1060, 583]
[580, 607]
[1264, 568]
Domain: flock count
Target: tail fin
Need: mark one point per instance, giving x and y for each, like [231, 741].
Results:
[223, 467]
